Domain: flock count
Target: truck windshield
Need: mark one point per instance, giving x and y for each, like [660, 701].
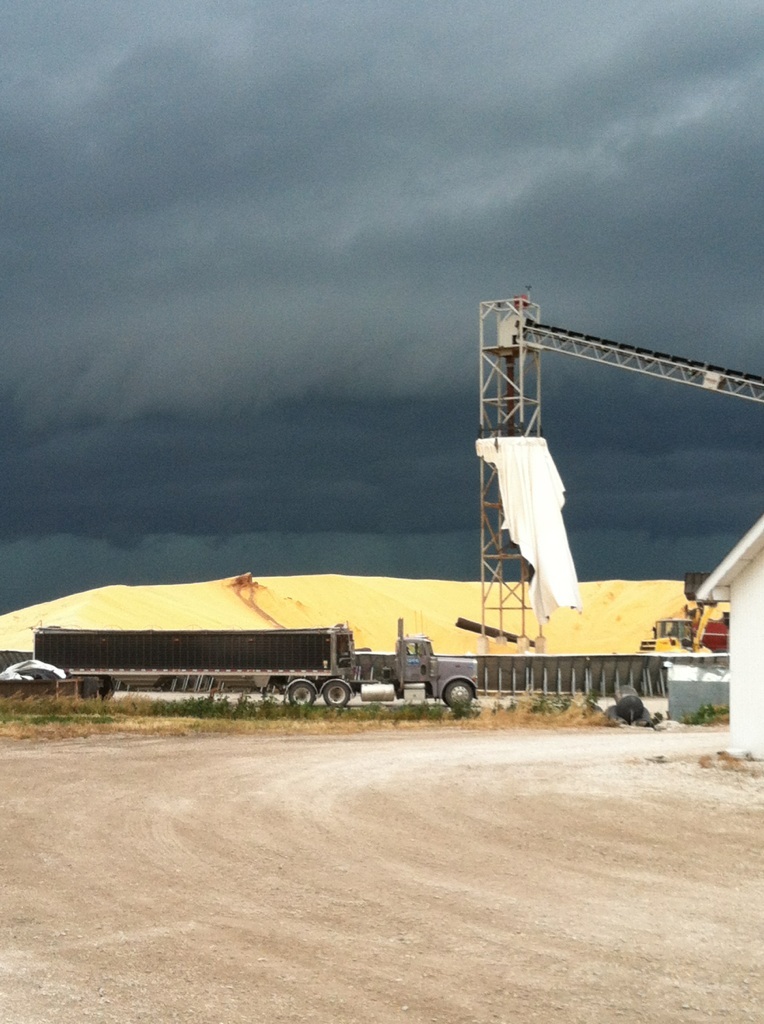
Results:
[679, 628]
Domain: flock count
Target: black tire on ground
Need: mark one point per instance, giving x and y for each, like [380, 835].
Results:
[301, 691]
[336, 693]
[630, 709]
[458, 692]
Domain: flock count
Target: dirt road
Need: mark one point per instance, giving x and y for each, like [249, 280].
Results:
[589, 876]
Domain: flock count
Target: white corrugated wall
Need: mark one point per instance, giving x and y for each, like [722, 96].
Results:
[747, 659]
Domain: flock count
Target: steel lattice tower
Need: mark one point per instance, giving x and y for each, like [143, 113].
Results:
[510, 406]
[512, 339]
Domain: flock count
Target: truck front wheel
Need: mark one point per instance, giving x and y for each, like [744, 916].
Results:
[336, 693]
[458, 692]
[301, 691]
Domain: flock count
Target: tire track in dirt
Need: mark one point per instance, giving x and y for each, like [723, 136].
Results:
[464, 876]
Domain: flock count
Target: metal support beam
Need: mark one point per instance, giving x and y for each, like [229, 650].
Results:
[510, 406]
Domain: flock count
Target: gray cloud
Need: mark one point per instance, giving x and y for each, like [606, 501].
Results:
[240, 242]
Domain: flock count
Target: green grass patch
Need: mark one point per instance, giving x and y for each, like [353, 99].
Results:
[545, 704]
[63, 719]
[273, 710]
[708, 714]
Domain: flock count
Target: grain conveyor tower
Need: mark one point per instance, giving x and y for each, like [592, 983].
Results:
[512, 339]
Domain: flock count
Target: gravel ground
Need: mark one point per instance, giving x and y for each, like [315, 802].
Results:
[426, 876]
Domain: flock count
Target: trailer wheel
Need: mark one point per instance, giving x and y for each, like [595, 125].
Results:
[459, 692]
[106, 687]
[89, 687]
[336, 693]
[301, 691]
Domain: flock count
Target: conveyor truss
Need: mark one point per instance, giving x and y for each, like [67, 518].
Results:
[640, 360]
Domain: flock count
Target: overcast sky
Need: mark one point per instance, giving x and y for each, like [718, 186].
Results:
[243, 249]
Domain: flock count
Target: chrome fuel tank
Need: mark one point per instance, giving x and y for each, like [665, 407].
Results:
[377, 693]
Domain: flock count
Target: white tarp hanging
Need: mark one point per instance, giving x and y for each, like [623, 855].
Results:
[532, 496]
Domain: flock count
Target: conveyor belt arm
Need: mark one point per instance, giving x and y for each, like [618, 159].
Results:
[640, 360]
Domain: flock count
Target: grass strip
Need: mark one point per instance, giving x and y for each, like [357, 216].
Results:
[67, 717]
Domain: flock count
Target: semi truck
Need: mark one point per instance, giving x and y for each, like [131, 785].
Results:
[299, 664]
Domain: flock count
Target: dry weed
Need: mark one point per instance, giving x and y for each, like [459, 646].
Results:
[67, 718]
[726, 762]
[536, 711]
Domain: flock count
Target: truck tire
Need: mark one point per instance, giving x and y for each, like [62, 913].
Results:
[106, 687]
[336, 693]
[458, 692]
[301, 691]
[89, 687]
[630, 709]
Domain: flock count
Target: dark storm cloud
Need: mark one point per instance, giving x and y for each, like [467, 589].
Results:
[243, 248]
[640, 454]
[310, 469]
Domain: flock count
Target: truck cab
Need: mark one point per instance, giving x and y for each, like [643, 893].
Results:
[415, 658]
[450, 679]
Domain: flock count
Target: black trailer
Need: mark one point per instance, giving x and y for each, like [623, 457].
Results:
[297, 662]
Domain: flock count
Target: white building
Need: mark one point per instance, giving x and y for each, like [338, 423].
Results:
[739, 579]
